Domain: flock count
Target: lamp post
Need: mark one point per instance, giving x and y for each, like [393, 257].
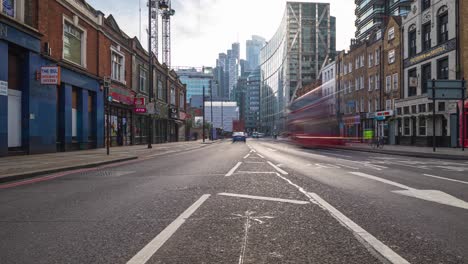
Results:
[203, 125]
[211, 108]
[150, 72]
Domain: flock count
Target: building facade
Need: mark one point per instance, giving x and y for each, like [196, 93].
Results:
[223, 114]
[252, 114]
[372, 14]
[430, 52]
[196, 79]
[253, 47]
[293, 58]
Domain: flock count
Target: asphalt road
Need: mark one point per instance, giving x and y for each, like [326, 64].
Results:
[261, 202]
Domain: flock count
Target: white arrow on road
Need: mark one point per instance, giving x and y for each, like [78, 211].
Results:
[428, 195]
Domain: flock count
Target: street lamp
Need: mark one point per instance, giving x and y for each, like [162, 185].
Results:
[150, 72]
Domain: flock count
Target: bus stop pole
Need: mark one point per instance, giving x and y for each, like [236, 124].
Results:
[463, 116]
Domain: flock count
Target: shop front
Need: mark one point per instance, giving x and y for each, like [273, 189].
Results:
[121, 116]
[384, 127]
[463, 124]
[174, 124]
[352, 127]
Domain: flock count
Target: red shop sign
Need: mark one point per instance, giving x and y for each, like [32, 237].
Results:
[122, 95]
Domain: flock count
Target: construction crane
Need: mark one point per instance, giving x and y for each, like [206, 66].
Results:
[163, 8]
[166, 13]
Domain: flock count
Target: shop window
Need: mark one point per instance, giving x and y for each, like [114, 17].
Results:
[74, 112]
[441, 106]
[422, 108]
[443, 69]
[442, 28]
[425, 77]
[14, 69]
[395, 81]
[143, 79]
[74, 43]
[412, 42]
[118, 65]
[91, 122]
[422, 126]
[406, 127]
[426, 36]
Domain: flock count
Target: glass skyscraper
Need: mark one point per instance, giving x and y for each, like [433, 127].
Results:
[370, 14]
[293, 58]
[196, 79]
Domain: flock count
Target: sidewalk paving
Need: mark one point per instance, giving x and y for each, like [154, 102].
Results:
[14, 168]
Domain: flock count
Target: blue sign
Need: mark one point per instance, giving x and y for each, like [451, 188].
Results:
[380, 118]
[19, 38]
[109, 98]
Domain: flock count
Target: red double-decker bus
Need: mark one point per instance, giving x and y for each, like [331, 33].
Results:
[312, 120]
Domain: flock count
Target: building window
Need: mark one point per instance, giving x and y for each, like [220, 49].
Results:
[377, 81]
[441, 106]
[388, 83]
[73, 43]
[443, 69]
[377, 104]
[356, 83]
[118, 65]
[406, 126]
[414, 109]
[350, 67]
[412, 43]
[388, 104]
[425, 4]
[362, 82]
[422, 108]
[362, 104]
[371, 83]
[395, 81]
[371, 59]
[391, 33]
[426, 36]
[422, 126]
[425, 77]
[443, 28]
[143, 78]
[173, 95]
[182, 100]
[369, 106]
[357, 63]
[363, 60]
[406, 110]
[413, 83]
[9, 7]
[391, 57]
[161, 94]
[346, 69]
[430, 107]
[377, 57]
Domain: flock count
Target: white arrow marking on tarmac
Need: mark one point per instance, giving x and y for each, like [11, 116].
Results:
[272, 150]
[428, 195]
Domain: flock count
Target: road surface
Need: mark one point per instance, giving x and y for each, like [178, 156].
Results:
[261, 202]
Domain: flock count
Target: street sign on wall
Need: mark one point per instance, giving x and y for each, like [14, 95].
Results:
[50, 75]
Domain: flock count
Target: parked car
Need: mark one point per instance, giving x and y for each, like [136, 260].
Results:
[238, 136]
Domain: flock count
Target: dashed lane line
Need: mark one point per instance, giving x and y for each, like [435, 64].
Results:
[264, 198]
[260, 155]
[233, 169]
[277, 168]
[154, 245]
[255, 172]
[246, 156]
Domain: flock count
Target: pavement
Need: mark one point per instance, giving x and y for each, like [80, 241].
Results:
[20, 167]
[409, 151]
[259, 202]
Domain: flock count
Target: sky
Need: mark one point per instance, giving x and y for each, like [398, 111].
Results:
[203, 28]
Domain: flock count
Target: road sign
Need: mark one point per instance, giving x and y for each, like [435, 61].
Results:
[445, 94]
[445, 84]
[50, 75]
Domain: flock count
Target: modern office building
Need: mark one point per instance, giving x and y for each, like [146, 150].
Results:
[252, 113]
[293, 58]
[233, 68]
[223, 114]
[371, 14]
[253, 47]
[196, 79]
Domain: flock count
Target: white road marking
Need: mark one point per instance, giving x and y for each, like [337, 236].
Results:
[298, 187]
[326, 166]
[349, 167]
[260, 155]
[152, 247]
[233, 169]
[264, 198]
[428, 195]
[447, 179]
[277, 168]
[254, 162]
[272, 150]
[365, 237]
[451, 168]
[255, 172]
[246, 156]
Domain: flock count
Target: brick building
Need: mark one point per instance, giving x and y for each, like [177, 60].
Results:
[86, 47]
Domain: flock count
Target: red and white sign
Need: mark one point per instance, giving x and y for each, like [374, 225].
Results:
[140, 110]
[50, 75]
[139, 101]
[385, 113]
